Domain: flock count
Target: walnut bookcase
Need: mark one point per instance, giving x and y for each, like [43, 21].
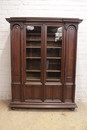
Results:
[43, 62]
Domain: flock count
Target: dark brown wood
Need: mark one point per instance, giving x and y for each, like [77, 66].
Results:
[42, 105]
[43, 63]
[16, 62]
[35, 19]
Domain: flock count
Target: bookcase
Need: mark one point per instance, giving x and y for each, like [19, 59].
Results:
[43, 62]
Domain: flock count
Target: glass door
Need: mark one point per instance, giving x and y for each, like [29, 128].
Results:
[54, 54]
[33, 53]
[43, 63]
[53, 88]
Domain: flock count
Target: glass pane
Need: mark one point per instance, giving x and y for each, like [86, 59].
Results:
[53, 64]
[54, 54]
[33, 53]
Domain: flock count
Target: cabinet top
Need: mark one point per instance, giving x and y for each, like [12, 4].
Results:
[42, 19]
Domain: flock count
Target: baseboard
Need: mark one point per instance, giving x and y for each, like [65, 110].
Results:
[42, 105]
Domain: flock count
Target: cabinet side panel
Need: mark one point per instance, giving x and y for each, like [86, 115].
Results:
[71, 34]
[16, 92]
[15, 61]
[16, 50]
[70, 54]
[68, 94]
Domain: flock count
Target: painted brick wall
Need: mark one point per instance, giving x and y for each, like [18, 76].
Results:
[43, 8]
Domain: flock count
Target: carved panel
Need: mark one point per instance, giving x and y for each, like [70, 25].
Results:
[71, 25]
[20, 25]
[33, 92]
[15, 45]
[16, 57]
[70, 53]
[53, 92]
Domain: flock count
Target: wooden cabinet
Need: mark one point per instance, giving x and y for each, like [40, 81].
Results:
[43, 60]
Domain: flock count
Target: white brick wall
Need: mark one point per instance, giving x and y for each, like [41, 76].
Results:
[43, 8]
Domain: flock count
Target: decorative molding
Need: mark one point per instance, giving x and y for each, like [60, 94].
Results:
[71, 26]
[41, 19]
[21, 25]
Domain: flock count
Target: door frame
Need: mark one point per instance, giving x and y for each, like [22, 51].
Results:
[62, 60]
[29, 83]
[43, 59]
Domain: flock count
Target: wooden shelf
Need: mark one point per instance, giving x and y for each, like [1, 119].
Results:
[33, 57]
[50, 34]
[35, 34]
[33, 79]
[53, 71]
[52, 79]
[50, 40]
[48, 47]
[33, 40]
[53, 47]
[33, 70]
[33, 46]
[53, 57]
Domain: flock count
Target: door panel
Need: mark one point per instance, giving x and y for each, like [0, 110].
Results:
[53, 93]
[43, 63]
[53, 50]
[33, 92]
[33, 62]
[53, 63]
[33, 53]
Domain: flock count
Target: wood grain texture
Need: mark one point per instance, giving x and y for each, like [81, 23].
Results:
[15, 62]
[70, 61]
[70, 51]
[40, 19]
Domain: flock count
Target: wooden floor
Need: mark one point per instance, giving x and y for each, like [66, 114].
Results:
[43, 119]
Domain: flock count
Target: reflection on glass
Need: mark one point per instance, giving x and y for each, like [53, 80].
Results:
[54, 54]
[33, 53]
[58, 34]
